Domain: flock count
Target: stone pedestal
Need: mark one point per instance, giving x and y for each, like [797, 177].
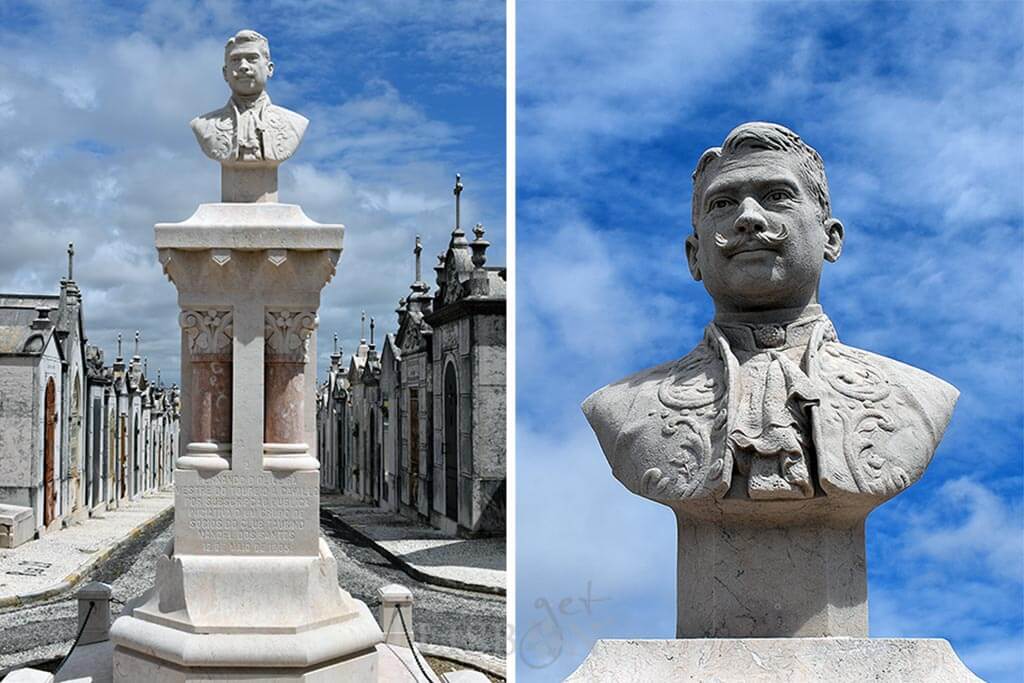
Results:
[774, 660]
[247, 591]
[756, 575]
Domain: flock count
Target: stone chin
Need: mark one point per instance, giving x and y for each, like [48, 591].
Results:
[283, 132]
[875, 428]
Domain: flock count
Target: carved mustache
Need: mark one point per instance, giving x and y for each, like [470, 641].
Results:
[730, 246]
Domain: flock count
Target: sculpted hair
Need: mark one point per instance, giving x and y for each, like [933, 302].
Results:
[247, 35]
[765, 136]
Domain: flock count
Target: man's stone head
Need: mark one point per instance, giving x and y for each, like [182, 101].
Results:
[247, 64]
[762, 220]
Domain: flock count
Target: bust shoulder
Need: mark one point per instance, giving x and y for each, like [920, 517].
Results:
[213, 131]
[880, 421]
[645, 421]
[607, 409]
[285, 129]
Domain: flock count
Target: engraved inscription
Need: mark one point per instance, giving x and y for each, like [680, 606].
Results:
[249, 514]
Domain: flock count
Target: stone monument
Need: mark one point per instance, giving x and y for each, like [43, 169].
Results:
[772, 441]
[247, 590]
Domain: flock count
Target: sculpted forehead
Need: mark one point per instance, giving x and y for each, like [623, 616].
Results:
[751, 170]
[754, 168]
[249, 48]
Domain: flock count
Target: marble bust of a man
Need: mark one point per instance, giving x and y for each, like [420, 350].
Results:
[770, 405]
[249, 128]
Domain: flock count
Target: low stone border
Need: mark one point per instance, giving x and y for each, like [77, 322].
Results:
[72, 579]
[410, 569]
[481, 661]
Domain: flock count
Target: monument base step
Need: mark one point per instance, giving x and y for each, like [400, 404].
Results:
[767, 660]
[134, 666]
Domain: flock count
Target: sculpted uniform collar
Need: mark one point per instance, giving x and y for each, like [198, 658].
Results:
[783, 329]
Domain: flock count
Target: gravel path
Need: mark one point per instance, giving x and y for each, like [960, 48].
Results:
[470, 621]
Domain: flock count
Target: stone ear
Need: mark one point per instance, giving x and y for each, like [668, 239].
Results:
[270, 69]
[834, 234]
[692, 248]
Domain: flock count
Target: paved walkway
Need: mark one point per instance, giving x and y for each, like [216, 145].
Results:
[47, 566]
[471, 564]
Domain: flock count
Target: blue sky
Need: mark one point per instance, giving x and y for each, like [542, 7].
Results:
[95, 100]
[917, 110]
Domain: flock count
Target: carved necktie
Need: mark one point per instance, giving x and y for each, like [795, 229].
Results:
[770, 437]
[249, 118]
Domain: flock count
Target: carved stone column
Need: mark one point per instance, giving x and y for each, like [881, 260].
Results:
[286, 355]
[207, 342]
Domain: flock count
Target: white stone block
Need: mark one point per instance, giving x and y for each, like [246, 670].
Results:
[97, 621]
[395, 598]
[16, 525]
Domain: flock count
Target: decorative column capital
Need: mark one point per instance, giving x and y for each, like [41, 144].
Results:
[207, 331]
[289, 331]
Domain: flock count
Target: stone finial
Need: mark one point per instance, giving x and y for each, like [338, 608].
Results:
[458, 203]
[250, 136]
[373, 325]
[335, 344]
[119, 345]
[479, 246]
[417, 250]
[362, 328]
[71, 260]
[145, 365]
[137, 336]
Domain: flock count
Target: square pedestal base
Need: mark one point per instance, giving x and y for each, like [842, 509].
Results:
[774, 660]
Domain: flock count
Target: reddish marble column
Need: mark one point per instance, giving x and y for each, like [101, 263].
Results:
[211, 398]
[284, 408]
[286, 354]
[208, 338]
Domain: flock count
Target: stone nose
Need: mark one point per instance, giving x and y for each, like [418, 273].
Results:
[751, 218]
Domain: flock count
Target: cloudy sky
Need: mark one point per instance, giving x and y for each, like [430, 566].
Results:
[95, 100]
[917, 110]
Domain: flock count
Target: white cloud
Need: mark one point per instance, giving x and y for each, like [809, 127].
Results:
[986, 529]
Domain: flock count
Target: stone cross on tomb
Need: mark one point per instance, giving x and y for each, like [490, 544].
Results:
[418, 250]
[458, 201]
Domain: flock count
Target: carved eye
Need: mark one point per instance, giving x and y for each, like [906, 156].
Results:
[778, 196]
[720, 203]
